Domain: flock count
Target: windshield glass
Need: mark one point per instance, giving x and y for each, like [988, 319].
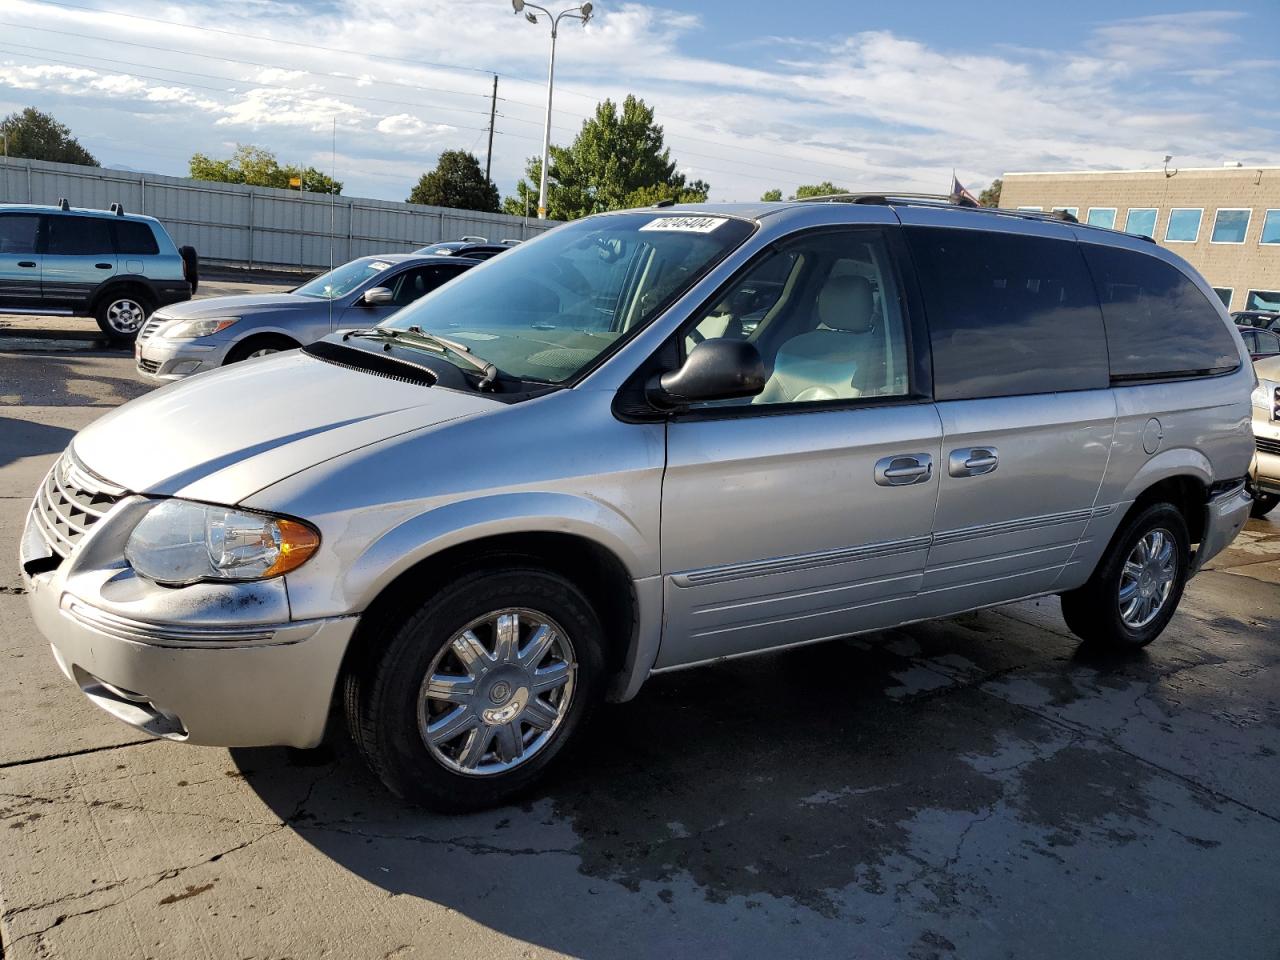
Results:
[548, 308]
[340, 281]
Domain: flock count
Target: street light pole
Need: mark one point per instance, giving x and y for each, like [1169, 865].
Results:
[582, 13]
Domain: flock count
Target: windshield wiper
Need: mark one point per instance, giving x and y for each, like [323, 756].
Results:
[489, 372]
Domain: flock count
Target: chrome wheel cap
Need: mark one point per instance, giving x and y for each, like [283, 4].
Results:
[497, 692]
[125, 316]
[1147, 578]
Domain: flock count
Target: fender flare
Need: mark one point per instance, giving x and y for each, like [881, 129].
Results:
[1174, 462]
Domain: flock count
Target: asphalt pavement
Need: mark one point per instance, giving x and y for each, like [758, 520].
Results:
[976, 787]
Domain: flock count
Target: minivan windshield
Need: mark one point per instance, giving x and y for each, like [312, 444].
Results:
[340, 281]
[547, 309]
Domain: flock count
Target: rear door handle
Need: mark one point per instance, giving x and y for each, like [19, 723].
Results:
[904, 470]
[26, 263]
[103, 266]
[972, 461]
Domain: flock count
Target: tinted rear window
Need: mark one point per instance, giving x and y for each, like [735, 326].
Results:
[135, 238]
[18, 233]
[79, 236]
[1158, 323]
[1008, 314]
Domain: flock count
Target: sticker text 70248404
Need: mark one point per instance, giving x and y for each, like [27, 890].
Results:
[685, 224]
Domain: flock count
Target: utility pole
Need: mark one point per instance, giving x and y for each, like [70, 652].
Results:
[493, 109]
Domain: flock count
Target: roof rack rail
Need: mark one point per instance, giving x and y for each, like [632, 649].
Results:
[64, 203]
[890, 197]
[118, 209]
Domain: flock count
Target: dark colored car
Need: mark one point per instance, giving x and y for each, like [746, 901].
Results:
[476, 248]
[1264, 319]
[112, 266]
[1260, 343]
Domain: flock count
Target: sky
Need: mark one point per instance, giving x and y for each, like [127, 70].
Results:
[752, 96]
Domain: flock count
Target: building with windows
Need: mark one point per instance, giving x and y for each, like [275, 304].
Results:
[1224, 221]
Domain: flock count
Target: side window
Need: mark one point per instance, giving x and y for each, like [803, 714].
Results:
[135, 239]
[78, 237]
[412, 284]
[18, 233]
[1268, 343]
[1250, 339]
[1158, 322]
[1008, 314]
[826, 315]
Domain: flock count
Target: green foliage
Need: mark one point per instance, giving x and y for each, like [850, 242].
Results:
[770, 196]
[822, 189]
[990, 197]
[458, 182]
[258, 167]
[33, 135]
[617, 160]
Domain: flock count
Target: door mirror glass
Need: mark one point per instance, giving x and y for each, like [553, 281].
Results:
[378, 297]
[714, 370]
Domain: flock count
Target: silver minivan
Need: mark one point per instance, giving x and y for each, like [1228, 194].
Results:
[643, 441]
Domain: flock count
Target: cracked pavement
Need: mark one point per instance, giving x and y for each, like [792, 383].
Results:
[976, 787]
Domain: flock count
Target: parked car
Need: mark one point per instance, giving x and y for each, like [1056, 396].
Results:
[106, 264]
[1265, 471]
[1264, 319]
[580, 466]
[1260, 343]
[197, 336]
[477, 248]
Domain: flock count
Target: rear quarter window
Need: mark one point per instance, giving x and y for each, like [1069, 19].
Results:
[1158, 323]
[1008, 314]
[135, 239]
[72, 236]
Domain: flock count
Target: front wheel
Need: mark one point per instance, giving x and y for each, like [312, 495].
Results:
[470, 698]
[1137, 585]
[260, 346]
[120, 316]
[1263, 503]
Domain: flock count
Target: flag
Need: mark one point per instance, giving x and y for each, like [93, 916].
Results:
[960, 195]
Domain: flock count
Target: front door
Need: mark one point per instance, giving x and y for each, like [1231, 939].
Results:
[19, 261]
[79, 255]
[805, 512]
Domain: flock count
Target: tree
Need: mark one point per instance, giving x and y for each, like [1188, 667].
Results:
[457, 181]
[617, 160]
[990, 197]
[825, 188]
[771, 195]
[33, 135]
[258, 167]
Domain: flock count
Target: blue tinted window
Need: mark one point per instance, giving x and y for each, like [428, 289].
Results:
[1103, 217]
[1141, 222]
[1230, 225]
[1271, 227]
[1184, 225]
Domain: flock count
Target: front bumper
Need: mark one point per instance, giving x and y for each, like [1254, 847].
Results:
[209, 673]
[161, 360]
[1225, 517]
[1265, 471]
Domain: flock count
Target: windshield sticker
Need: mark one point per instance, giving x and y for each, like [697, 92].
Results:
[685, 224]
[378, 265]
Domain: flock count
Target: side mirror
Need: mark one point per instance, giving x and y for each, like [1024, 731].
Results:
[378, 297]
[714, 370]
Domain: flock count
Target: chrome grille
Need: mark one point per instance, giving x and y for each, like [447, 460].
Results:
[150, 366]
[151, 326]
[1267, 446]
[70, 501]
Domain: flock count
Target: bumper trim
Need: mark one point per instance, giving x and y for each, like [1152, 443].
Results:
[139, 631]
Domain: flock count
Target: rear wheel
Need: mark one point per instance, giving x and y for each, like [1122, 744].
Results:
[258, 347]
[470, 698]
[1135, 590]
[1263, 503]
[121, 315]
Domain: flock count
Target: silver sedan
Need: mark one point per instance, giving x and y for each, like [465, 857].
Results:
[198, 335]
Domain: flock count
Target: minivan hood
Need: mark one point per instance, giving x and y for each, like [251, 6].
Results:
[237, 306]
[222, 436]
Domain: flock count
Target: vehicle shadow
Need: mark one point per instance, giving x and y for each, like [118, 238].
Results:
[27, 438]
[833, 785]
[83, 378]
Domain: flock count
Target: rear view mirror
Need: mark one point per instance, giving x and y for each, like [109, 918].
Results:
[377, 297]
[714, 370]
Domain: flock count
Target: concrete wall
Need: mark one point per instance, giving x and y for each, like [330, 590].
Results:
[258, 226]
[1241, 268]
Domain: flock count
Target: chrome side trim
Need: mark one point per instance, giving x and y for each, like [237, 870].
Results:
[1011, 526]
[808, 561]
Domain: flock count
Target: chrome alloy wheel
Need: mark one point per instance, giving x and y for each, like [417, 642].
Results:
[497, 692]
[262, 352]
[125, 315]
[1147, 578]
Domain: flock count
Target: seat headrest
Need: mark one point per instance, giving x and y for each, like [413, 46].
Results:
[846, 303]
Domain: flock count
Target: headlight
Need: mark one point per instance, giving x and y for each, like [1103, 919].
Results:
[1264, 395]
[193, 329]
[179, 542]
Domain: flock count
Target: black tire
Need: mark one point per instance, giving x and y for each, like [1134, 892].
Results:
[255, 346]
[382, 689]
[1093, 611]
[1263, 503]
[112, 310]
[190, 267]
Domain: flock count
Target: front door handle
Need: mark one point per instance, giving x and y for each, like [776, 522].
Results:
[972, 461]
[103, 266]
[904, 470]
[26, 263]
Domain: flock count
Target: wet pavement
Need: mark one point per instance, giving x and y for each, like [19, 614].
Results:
[975, 787]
